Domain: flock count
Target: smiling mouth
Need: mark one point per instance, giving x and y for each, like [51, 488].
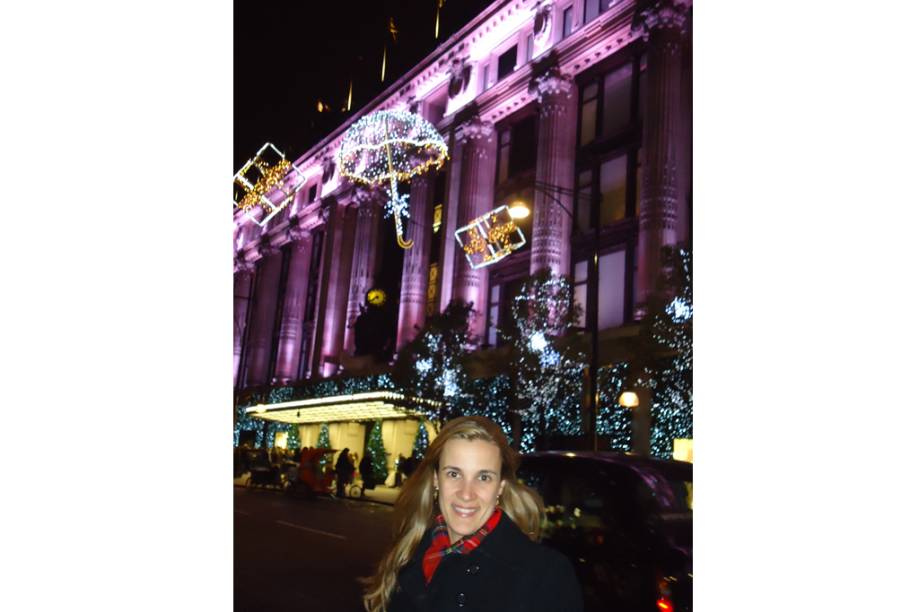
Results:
[463, 512]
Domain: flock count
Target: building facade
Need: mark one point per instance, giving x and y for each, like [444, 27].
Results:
[582, 109]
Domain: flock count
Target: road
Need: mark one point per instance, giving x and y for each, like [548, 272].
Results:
[292, 554]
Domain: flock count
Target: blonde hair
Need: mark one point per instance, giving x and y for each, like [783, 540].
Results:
[414, 510]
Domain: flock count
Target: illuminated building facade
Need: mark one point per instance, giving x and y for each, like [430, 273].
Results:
[580, 108]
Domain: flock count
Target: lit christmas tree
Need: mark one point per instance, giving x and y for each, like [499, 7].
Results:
[548, 372]
[323, 442]
[668, 325]
[421, 442]
[377, 452]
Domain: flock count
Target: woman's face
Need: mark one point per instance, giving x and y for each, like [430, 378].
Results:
[470, 482]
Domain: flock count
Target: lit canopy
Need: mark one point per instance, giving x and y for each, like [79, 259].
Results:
[368, 406]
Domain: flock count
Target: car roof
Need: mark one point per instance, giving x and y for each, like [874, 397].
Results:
[667, 467]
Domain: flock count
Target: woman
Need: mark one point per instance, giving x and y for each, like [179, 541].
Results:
[466, 534]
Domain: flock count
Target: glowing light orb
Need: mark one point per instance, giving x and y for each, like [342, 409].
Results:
[388, 147]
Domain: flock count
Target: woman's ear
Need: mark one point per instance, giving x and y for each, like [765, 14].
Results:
[501, 488]
[435, 481]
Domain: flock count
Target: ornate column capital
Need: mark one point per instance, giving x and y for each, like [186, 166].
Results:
[294, 233]
[266, 249]
[654, 15]
[364, 197]
[551, 88]
[241, 266]
[476, 131]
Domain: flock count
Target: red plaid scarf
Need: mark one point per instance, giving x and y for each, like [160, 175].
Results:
[440, 543]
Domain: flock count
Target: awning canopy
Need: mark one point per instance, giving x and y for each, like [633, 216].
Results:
[368, 406]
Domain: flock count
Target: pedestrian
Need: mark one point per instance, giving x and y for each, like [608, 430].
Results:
[468, 534]
[366, 469]
[344, 468]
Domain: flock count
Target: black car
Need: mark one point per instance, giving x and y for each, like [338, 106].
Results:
[625, 522]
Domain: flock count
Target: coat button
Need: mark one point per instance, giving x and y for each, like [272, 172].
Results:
[472, 569]
[461, 600]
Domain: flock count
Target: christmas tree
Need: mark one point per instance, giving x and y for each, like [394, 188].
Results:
[421, 441]
[323, 442]
[377, 453]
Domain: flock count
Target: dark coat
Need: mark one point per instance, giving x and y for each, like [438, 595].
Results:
[506, 572]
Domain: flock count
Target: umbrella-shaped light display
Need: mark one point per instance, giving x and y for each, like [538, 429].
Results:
[386, 147]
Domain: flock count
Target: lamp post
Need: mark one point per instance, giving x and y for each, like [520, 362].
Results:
[519, 210]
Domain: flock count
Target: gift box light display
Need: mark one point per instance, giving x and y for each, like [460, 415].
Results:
[268, 181]
[490, 238]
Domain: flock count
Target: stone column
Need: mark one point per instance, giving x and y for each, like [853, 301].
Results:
[336, 272]
[242, 292]
[661, 22]
[554, 166]
[448, 245]
[294, 306]
[258, 350]
[476, 197]
[413, 294]
[365, 261]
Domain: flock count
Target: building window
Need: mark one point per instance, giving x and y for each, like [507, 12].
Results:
[611, 290]
[504, 154]
[592, 8]
[589, 113]
[523, 145]
[506, 62]
[617, 99]
[582, 212]
[312, 194]
[529, 47]
[567, 22]
[613, 181]
[485, 77]
[494, 304]
[580, 291]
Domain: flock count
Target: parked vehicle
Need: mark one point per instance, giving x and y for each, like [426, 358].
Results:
[625, 523]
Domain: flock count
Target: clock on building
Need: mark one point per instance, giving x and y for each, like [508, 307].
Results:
[376, 297]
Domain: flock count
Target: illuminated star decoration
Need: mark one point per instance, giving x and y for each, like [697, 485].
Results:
[490, 238]
[267, 181]
[389, 146]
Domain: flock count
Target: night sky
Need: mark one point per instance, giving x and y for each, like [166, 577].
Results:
[289, 55]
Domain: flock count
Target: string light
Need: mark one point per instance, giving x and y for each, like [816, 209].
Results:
[387, 147]
[490, 238]
[260, 178]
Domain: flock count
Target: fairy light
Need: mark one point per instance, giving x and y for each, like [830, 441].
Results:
[260, 180]
[388, 147]
[490, 238]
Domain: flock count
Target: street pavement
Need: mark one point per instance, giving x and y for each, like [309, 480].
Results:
[298, 554]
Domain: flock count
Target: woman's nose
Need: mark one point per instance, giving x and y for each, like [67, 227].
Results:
[467, 491]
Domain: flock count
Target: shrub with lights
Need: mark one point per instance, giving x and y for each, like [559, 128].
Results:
[431, 366]
[547, 372]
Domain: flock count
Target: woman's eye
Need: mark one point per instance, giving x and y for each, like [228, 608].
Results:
[485, 477]
[452, 474]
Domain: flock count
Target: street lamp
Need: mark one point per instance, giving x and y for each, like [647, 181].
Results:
[628, 399]
[519, 210]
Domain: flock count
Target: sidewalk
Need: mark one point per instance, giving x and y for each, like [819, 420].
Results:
[382, 494]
